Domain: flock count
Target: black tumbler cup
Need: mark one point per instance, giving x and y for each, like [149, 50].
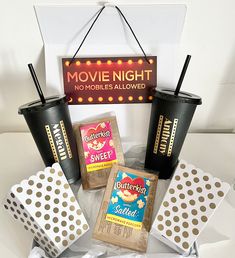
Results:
[170, 119]
[51, 128]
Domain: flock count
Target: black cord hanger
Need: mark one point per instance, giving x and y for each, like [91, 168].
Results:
[93, 23]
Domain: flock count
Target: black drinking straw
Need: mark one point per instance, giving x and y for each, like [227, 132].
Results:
[177, 90]
[36, 82]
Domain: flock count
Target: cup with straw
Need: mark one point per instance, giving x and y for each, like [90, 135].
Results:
[50, 125]
[171, 115]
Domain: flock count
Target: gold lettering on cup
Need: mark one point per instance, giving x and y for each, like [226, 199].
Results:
[165, 136]
[58, 141]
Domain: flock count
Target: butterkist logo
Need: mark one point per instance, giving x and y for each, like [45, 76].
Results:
[165, 135]
[93, 136]
[96, 136]
[135, 186]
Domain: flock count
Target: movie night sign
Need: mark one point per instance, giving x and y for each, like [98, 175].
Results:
[114, 80]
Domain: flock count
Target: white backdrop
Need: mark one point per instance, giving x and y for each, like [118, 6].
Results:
[208, 36]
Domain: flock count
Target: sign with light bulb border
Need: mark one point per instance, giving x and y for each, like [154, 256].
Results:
[109, 80]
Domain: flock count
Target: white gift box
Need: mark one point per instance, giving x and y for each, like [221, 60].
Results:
[189, 203]
[47, 207]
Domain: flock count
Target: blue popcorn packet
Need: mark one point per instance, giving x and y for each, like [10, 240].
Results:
[128, 200]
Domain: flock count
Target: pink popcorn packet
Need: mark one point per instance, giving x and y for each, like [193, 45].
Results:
[99, 148]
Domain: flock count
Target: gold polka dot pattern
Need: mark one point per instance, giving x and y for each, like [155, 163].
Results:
[46, 206]
[190, 201]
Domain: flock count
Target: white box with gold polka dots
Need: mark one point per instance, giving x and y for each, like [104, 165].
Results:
[47, 207]
[190, 201]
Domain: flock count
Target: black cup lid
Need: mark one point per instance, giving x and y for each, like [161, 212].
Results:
[38, 105]
[185, 97]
